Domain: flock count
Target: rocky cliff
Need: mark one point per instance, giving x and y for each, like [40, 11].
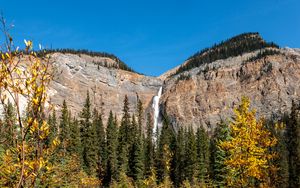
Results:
[207, 94]
[107, 87]
[202, 91]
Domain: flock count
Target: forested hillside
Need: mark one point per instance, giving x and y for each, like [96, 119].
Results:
[118, 65]
[243, 43]
[243, 152]
[45, 147]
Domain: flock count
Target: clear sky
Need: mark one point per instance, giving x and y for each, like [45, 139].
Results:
[151, 36]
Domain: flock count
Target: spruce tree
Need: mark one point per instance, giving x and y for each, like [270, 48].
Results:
[100, 143]
[64, 134]
[149, 148]
[190, 154]
[9, 126]
[135, 161]
[203, 154]
[122, 156]
[280, 176]
[218, 155]
[293, 145]
[282, 161]
[126, 127]
[178, 174]
[89, 153]
[52, 121]
[75, 146]
[140, 112]
[54, 134]
[166, 144]
[111, 144]
[125, 139]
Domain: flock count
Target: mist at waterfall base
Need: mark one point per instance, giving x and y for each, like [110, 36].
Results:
[156, 124]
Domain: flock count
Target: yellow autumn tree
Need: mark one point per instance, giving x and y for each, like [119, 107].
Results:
[30, 162]
[25, 76]
[248, 149]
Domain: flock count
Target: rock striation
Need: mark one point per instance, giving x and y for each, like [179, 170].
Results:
[201, 93]
[208, 93]
[74, 75]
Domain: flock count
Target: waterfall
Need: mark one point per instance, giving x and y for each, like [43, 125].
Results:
[155, 106]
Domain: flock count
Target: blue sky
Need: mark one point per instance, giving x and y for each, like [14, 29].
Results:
[151, 36]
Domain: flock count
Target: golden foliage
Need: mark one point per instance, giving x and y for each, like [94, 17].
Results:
[26, 164]
[151, 180]
[124, 182]
[90, 182]
[248, 149]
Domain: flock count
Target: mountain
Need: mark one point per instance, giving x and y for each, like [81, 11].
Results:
[201, 91]
[204, 90]
[77, 73]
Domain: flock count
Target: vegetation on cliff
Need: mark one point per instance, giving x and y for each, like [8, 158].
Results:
[118, 65]
[243, 43]
[244, 152]
[37, 149]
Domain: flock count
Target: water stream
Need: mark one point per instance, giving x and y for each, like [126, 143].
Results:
[155, 106]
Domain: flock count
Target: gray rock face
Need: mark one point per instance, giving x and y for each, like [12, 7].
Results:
[209, 95]
[214, 89]
[75, 75]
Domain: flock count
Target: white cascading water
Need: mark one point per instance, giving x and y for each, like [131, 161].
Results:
[155, 106]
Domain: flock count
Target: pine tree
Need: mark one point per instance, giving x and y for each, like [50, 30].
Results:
[122, 156]
[64, 134]
[190, 154]
[111, 144]
[218, 155]
[89, 153]
[52, 121]
[136, 166]
[75, 146]
[125, 139]
[279, 176]
[126, 127]
[166, 144]
[9, 126]
[166, 166]
[149, 148]
[293, 145]
[281, 161]
[203, 154]
[100, 143]
[248, 149]
[140, 112]
[178, 174]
